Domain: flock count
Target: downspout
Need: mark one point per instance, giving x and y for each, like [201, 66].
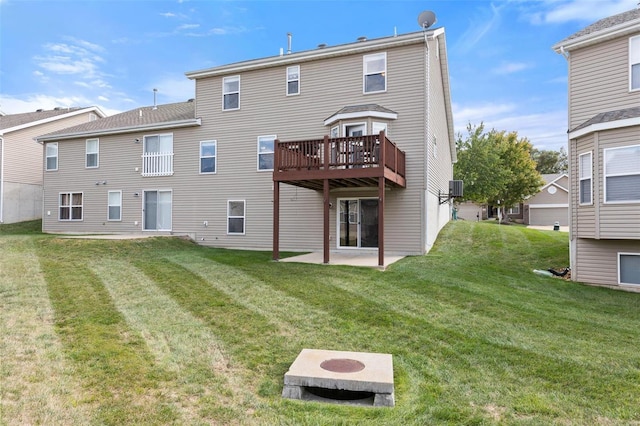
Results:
[570, 151]
[427, 101]
[2, 180]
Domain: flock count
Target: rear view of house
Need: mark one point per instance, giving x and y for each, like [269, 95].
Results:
[604, 150]
[551, 204]
[336, 148]
[21, 157]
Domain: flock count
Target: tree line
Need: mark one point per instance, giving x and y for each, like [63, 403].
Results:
[500, 168]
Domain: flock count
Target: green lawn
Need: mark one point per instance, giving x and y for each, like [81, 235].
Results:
[162, 331]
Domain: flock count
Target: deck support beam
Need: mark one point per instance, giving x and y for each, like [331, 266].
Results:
[326, 221]
[381, 185]
[276, 220]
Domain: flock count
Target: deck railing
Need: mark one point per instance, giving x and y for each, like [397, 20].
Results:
[157, 164]
[339, 153]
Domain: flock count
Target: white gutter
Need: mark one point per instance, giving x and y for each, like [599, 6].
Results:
[309, 55]
[587, 39]
[129, 129]
[2, 180]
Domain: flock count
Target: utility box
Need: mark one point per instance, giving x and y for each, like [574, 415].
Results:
[455, 188]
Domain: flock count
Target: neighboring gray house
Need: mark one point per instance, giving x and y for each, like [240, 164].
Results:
[21, 157]
[604, 150]
[337, 148]
[551, 204]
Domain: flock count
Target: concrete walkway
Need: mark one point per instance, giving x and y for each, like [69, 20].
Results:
[369, 260]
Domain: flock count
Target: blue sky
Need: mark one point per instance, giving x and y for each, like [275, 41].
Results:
[113, 53]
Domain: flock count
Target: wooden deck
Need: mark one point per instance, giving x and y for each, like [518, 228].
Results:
[356, 161]
[329, 163]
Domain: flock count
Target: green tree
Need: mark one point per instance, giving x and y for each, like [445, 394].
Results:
[497, 167]
[548, 161]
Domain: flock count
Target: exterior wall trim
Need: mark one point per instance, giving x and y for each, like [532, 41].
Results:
[547, 206]
[605, 126]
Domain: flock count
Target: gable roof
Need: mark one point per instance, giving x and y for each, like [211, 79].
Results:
[180, 114]
[552, 179]
[370, 110]
[604, 29]
[13, 122]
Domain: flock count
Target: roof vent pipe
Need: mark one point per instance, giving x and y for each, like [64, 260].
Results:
[155, 106]
[322, 45]
[288, 43]
[363, 38]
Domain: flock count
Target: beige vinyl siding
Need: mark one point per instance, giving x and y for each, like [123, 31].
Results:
[328, 86]
[597, 262]
[599, 80]
[544, 197]
[23, 159]
[583, 216]
[617, 220]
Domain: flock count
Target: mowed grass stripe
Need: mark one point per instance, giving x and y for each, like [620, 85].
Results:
[36, 383]
[110, 359]
[290, 315]
[180, 343]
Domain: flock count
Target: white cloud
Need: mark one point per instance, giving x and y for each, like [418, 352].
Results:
[11, 105]
[510, 68]
[172, 89]
[168, 14]
[483, 24]
[187, 27]
[582, 11]
[545, 130]
[103, 99]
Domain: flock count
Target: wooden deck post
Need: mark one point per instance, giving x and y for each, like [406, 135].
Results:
[326, 221]
[276, 220]
[381, 185]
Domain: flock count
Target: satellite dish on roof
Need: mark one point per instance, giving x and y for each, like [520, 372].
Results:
[426, 19]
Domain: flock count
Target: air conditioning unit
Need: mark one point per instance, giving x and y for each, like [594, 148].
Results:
[455, 188]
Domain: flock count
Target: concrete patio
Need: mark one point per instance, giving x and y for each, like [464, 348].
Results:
[369, 259]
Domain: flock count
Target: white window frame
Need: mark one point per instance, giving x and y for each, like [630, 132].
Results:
[376, 126]
[157, 163]
[119, 205]
[335, 131]
[514, 209]
[47, 156]
[581, 178]
[634, 59]
[214, 156]
[620, 254]
[226, 80]
[291, 80]
[366, 72]
[88, 153]
[606, 175]
[70, 206]
[272, 152]
[243, 217]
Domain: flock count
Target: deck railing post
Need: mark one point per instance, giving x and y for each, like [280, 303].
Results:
[327, 155]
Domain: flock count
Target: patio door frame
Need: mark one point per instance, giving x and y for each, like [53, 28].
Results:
[358, 223]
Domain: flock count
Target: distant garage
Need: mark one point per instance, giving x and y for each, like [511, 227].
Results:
[548, 215]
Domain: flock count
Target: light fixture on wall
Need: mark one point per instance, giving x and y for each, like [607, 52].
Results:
[137, 140]
[136, 194]
[101, 182]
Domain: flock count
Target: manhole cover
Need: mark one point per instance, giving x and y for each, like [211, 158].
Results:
[342, 365]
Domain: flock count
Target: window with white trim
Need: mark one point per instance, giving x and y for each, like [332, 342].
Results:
[293, 80]
[335, 131]
[208, 157]
[70, 206]
[92, 152]
[585, 170]
[377, 126]
[51, 156]
[157, 156]
[114, 205]
[231, 93]
[634, 63]
[622, 174]
[235, 217]
[629, 268]
[515, 209]
[375, 72]
[266, 152]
